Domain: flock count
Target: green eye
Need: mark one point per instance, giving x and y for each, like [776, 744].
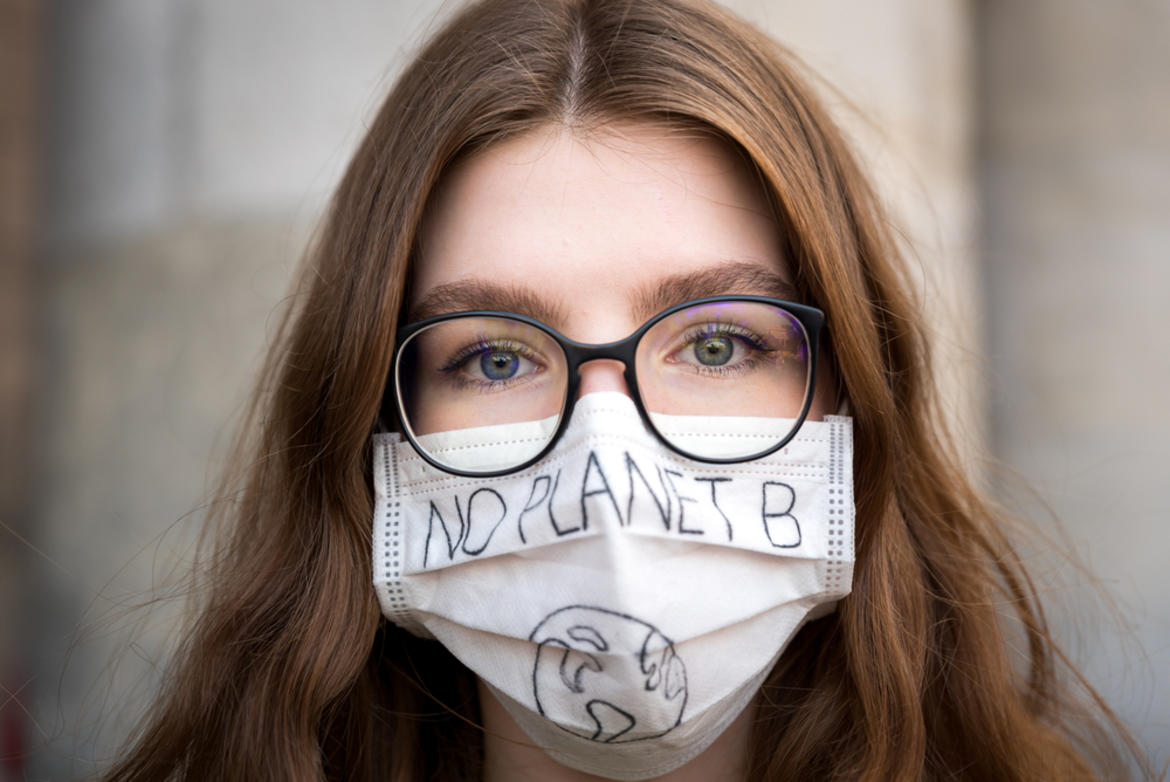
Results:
[714, 351]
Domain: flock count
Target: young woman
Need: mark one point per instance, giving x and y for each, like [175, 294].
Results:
[665, 493]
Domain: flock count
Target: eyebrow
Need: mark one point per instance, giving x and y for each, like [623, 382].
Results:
[735, 277]
[473, 294]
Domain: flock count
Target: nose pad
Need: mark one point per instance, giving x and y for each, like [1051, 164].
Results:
[603, 374]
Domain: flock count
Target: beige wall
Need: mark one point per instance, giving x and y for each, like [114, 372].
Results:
[192, 145]
[1074, 118]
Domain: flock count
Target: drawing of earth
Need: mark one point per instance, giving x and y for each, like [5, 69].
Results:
[606, 676]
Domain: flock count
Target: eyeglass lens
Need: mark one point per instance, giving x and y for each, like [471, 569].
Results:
[721, 380]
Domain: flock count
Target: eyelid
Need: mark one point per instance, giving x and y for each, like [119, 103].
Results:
[479, 346]
[717, 328]
[754, 340]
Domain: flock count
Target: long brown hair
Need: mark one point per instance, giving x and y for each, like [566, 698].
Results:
[289, 671]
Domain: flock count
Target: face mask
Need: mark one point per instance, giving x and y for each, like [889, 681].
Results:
[622, 602]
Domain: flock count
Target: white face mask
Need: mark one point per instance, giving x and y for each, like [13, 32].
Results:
[624, 603]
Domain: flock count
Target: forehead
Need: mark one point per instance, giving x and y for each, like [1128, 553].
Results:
[594, 223]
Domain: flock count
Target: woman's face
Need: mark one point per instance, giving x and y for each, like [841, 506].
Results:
[595, 235]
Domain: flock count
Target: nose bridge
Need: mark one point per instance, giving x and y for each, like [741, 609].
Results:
[602, 367]
[622, 351]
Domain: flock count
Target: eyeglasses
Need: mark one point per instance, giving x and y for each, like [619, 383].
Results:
[488, 393]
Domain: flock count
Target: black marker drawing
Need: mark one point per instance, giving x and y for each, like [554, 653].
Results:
[483, 521]
[664, 511]
[682, 511]
[553, 519]
[780, 534]
[452, 543]
[460, 541]
[593, 467]
[499, 503]
[581, 652]
[715, 502]
[532, 505]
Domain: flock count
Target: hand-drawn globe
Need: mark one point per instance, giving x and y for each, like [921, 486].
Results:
[606, 676]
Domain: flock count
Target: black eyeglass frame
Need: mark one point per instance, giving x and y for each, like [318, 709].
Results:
[625, 350]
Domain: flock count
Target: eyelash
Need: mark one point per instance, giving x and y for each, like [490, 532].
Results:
[478, 348]
[758, 346]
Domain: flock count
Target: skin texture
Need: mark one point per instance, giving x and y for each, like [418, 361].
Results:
[586, 232]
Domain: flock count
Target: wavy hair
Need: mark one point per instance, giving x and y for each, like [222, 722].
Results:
[288, 670]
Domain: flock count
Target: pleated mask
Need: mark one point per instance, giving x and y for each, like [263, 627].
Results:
[623, 603]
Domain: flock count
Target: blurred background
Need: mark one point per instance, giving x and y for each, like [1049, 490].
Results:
[163, 163]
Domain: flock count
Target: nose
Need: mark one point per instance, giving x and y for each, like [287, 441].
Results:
[603, 374]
